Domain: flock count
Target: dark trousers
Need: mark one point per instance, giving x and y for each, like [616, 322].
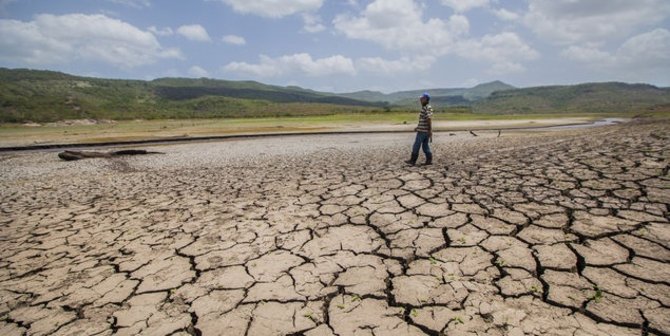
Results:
[422, 141]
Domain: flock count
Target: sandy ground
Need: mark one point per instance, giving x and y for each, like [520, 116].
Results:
[48, 135]
[538, 233]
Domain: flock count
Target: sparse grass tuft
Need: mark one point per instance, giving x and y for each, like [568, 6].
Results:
[457, 320]
[597, 295]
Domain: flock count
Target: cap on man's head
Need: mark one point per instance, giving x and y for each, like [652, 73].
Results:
[426, 95]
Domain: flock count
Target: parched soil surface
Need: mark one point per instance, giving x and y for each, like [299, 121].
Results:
[544, 233]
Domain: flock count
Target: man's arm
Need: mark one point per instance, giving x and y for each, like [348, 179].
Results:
[430, 128]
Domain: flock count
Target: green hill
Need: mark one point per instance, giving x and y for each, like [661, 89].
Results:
[582, 98]
[44, 96]
[41, 96]
[484, 90]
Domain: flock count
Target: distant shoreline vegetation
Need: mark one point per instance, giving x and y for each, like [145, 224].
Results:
[47, 96]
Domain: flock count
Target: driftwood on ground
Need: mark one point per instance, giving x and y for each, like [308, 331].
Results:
[78, 155]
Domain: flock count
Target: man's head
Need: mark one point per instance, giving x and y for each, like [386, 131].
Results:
[424, 99]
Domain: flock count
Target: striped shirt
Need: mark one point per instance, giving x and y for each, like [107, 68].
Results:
[425, 115]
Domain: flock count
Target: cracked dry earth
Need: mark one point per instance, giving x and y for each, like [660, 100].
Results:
[542, 233]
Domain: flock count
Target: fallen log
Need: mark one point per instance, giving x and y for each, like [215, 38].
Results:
[78, 155]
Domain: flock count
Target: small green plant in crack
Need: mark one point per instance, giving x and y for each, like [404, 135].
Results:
[535, 289]
[462, 240]
[500, 262]
[341, 306]
[433, 261]
[456, 320]
[355, 298]
[597, 295]
[414, 312]
[310, 316]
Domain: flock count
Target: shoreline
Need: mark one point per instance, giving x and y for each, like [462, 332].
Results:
[551, 124]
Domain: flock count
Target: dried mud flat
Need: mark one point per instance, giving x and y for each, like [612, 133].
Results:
[545, 233]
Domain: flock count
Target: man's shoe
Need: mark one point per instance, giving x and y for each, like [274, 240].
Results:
[412, 160]
[429, 160]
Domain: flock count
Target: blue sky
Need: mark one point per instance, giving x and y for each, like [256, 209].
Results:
[344, 45]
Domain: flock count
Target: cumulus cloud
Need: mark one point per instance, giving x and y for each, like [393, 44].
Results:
[506, 15]
[504, 51]
[273, 8]
[51, 39]
[234, 39]
[197, 71]
[651, 49]
[571, 22]
[640, 54]
[194, 32]
[296, 64]
[399, 24]
[312, 23]
[588, 54]
[462, 6]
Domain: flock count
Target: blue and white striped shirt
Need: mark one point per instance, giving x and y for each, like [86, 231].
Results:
[425, 115]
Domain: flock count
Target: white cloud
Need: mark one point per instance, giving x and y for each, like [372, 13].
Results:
[506, 15]
[312, 23]
[641, 54]
[234, 39]
[274, 8]
[399, 24]
[588, 54]
[304, 64]
[301, 64]
[51, 39]
[133, 3]
[390, 67]
[651, 50]
[504, 51]
[197, 71]
[570, 21]
[194, 32]
[167, 31]
[462, 6]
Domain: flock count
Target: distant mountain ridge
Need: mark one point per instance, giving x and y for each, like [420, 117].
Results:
[588, 97]
[35, 95]
[42, 96]
[409, 97]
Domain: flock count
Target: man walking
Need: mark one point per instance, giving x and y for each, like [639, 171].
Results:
[424, 132]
